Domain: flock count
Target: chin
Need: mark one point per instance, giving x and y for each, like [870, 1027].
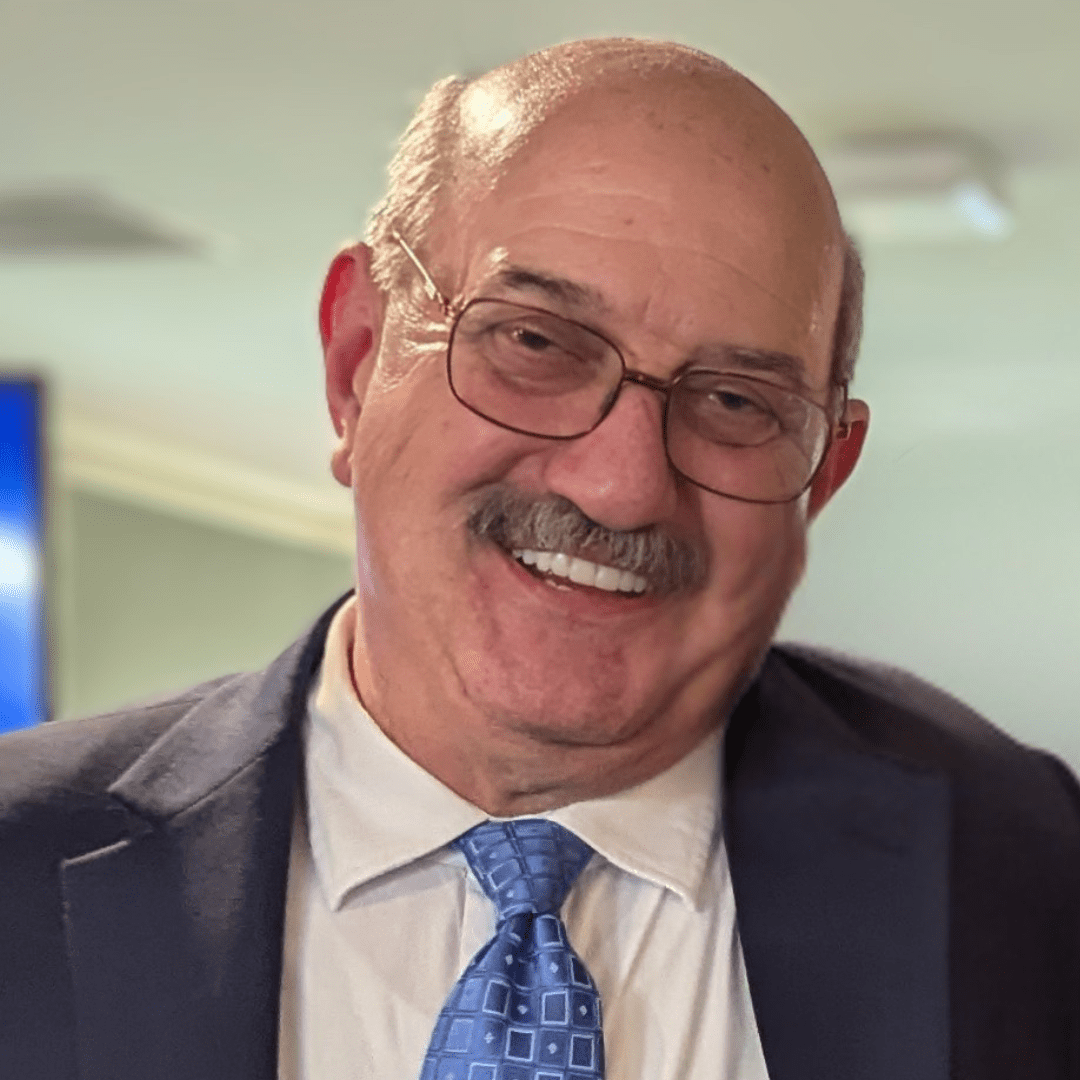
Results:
[581, 727]
[570, 731]
[551, 697]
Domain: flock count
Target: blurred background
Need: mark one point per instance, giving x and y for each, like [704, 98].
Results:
[175, 176]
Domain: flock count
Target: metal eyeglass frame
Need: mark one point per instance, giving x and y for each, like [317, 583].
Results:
[838, 429]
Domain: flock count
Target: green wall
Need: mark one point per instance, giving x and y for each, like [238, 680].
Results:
[146, 603]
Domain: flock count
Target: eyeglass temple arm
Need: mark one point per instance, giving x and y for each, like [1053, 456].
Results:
[430, 287]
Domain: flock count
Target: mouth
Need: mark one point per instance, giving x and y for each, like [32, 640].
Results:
[560, 569]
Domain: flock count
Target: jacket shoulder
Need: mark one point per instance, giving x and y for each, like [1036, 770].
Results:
[85, 756]
[892, 712]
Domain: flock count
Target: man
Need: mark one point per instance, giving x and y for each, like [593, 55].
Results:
[589, 379]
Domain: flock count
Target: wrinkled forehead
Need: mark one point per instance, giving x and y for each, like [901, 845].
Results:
[705, 167]
[701, 124]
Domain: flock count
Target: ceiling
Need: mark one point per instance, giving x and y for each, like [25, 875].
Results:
[262, 129]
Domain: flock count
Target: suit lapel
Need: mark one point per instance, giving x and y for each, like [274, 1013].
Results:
[839, 861]
[175, 927]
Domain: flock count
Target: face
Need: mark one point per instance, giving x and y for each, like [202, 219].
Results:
[677, 238]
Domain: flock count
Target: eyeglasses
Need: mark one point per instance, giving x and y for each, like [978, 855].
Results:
[531, 371]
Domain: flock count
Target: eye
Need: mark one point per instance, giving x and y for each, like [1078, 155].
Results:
[529, 348]
[737, 400]
[544, 340]
[734, 402]
[730, 410]
[526, 338]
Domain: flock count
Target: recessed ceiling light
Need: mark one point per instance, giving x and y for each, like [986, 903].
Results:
[918, 186]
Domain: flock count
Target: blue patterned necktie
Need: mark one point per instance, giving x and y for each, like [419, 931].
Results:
[525, 1008]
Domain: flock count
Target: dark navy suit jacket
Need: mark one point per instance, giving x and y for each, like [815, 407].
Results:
[907, 882]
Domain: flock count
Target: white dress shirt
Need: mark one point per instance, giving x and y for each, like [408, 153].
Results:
[382, 916]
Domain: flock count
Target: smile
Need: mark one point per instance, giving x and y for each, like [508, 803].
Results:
[580, 571]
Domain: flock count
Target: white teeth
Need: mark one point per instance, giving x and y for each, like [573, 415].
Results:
[607, 577]
[582, 571]
[560, 564]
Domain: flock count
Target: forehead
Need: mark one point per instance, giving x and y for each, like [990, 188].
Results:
[684, 202]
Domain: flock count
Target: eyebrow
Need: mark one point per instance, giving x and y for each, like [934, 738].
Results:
[768, 361]
[551, 286]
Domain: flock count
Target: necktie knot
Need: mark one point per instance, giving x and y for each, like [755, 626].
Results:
[526, 865]
[526, 1007]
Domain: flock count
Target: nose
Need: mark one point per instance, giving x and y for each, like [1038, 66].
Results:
[618, 474]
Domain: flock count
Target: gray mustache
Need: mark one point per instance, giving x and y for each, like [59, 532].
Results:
[552, 523]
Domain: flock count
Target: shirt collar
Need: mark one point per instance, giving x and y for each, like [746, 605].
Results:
[666, 829]
[372, 809]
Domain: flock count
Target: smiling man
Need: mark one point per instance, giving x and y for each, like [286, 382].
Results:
[560, 262]
[541, 800]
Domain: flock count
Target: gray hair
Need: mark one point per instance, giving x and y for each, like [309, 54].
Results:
[430, 163]
[421, 173]
[516, 521]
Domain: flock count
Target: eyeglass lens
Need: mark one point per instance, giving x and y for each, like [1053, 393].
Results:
[540, 374]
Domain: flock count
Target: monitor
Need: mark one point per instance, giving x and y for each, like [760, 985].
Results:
[23, 640]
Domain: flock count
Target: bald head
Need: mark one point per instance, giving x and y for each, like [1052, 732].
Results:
[470, 139]
[499, 111]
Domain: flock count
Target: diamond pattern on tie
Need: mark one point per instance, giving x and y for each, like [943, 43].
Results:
[525, 1008]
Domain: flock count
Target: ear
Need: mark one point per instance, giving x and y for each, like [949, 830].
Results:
[350, 322]
[840, 458]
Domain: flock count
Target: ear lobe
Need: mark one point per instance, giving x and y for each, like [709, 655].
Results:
[841, 457]
[350, 321]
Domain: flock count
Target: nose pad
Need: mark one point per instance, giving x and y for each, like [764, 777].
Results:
[639, 379]
[609, 401]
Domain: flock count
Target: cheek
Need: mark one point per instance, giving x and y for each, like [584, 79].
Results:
[404, 421]
[418, 456]
[391, 474]
[757, 552]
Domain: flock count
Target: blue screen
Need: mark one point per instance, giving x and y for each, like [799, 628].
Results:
[22, 631]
